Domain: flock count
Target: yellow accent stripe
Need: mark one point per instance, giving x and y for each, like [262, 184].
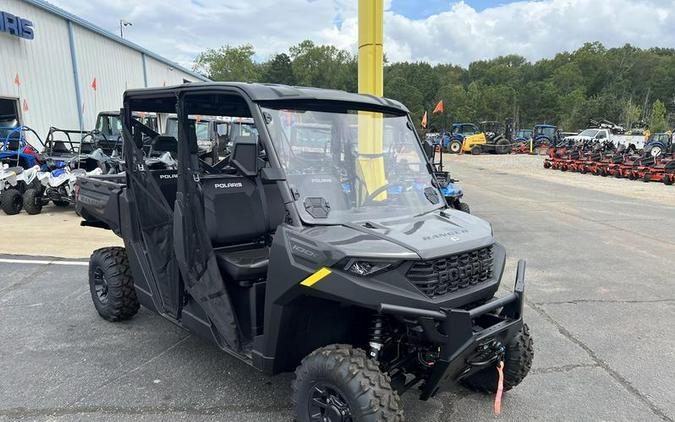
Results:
[314, 278]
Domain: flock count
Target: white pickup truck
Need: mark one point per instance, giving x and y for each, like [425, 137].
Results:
[604, 134]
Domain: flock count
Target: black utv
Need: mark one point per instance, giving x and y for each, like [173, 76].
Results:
[333, 255]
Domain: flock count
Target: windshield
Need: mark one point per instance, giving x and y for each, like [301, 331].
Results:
[589, 132]
[338, 177]
[109, 125]
[201, 128]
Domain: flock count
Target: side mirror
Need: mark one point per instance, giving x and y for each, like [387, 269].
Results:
[245, 155]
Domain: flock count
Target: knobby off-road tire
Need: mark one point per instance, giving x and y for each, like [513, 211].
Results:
[503, 147]
[464, 207]
[11, 201]
[111, 284]
[345, 376]
[32, 201]
[517, 363]
[476, 150]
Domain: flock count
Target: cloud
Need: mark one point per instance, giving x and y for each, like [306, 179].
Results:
[180, 29]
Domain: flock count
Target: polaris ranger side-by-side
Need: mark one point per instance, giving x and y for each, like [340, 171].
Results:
[328, 255]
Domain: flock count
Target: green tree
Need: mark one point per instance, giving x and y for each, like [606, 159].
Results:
[278, 70]
[229, 64]
[323, 66]
[657, 120]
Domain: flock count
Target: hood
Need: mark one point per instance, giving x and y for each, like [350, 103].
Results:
[425, 237]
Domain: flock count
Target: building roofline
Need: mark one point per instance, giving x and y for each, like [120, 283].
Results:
[48, 7]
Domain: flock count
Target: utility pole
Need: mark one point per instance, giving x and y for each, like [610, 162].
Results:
[371, 82]
[124, 23]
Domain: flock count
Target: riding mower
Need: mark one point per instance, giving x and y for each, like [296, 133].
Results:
[597, 159]
[330, 257]
[659, 171]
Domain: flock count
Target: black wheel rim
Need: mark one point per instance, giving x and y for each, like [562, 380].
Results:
[327, 404]
[101, 286]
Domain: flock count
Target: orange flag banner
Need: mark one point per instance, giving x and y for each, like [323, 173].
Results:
[93, 84]
[439, 107]
[25, 106]
[424, 120]
[17, 81]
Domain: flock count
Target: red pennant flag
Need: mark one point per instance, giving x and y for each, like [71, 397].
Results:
[25, 106]
[439, 107]
[424, 120]
[93, 84]
[17, 81]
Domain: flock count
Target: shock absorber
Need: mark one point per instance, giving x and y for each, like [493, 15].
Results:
[377, 335]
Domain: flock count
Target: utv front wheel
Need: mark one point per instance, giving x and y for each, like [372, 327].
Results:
[339, 383]
[517, 362]
[111, 284]
[464, 207]
[12, 201]
[454, 147]
[32, 201]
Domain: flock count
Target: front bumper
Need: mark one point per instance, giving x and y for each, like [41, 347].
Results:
[464, 333]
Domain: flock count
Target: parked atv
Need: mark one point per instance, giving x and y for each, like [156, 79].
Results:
[56, 186]
[320, 255]
[13, 183]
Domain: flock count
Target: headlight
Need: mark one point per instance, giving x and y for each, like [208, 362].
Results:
[363, 268]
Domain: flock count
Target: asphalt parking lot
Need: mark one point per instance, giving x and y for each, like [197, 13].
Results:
[600, 292]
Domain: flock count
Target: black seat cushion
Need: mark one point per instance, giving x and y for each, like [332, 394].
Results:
[163, 143]
[249, 264]
[59, 147]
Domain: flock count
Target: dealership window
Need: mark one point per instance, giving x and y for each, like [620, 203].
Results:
[9, 115]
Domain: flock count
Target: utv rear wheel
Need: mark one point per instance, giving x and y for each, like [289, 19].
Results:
[111, 284]
[32, 201]
[339, 383]
[12, 202]
[517, 363]
[667, 180]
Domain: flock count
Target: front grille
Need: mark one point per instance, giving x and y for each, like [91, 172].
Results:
[451, 273]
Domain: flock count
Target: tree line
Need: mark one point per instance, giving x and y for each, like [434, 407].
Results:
[625, 85]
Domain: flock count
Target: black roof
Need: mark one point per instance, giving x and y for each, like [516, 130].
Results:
[259, 92]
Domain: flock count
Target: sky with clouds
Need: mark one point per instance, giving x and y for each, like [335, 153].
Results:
[444, 31]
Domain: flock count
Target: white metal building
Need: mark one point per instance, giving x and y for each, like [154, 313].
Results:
[57, 56]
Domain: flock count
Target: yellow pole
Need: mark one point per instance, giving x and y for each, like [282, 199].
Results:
[371, 76]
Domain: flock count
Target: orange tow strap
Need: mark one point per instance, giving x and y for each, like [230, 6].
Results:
[500, 388]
